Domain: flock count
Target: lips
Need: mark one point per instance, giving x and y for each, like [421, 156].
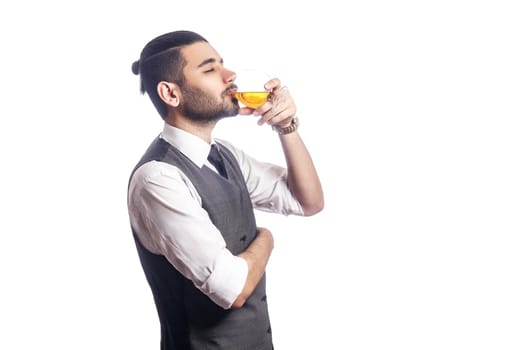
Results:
[231, 90]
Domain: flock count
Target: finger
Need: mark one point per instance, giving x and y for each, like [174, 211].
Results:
[283, 106]
[263, 109]
[275, 112]
[273, 85]
[280, 96]
[276, 116]
[246, 111]
[284, 117]
[265, 117]
[267, 112]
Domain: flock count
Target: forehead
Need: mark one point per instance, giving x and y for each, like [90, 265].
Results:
[199, 53]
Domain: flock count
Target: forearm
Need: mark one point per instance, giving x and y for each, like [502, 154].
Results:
[303, 180]
[256, 255]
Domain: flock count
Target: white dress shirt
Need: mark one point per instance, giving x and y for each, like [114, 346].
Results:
[166, 213]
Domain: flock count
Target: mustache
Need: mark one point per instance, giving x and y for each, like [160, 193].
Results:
[229, 89]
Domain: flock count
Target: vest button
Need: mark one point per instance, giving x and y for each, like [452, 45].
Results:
[263, 298]
[243, 238]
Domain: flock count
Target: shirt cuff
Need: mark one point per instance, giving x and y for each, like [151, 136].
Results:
[227, 280]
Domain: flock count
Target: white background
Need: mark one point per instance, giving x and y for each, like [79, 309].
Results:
[413, 112]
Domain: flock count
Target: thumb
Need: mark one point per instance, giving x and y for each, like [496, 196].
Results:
[245, 111]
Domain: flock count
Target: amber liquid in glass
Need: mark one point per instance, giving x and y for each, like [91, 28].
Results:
[252, 99]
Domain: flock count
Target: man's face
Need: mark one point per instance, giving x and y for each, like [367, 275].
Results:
[207, 90]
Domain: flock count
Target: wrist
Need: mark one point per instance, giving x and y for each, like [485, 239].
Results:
[292, 127]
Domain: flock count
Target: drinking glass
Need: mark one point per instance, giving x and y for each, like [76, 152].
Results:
[250, 87]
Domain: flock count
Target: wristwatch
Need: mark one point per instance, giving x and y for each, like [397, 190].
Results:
[289, 129]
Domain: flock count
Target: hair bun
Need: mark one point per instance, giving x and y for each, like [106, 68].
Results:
[135, 67]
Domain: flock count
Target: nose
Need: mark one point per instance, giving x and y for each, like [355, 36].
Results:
[229, 76]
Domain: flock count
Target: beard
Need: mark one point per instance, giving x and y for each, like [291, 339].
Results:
[201, 107]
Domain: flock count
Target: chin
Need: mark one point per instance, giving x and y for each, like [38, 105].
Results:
[232, 112]
[229, 115]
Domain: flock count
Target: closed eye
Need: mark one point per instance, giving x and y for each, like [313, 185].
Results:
[211, 63]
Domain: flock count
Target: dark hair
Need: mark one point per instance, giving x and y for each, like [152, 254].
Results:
[161, 60]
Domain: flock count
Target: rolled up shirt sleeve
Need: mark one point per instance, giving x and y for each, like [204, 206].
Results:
[223, 286]
[167, 216]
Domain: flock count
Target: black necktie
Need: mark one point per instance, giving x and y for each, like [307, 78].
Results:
[215, 158]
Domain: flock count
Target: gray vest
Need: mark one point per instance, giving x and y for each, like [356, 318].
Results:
[188, 318]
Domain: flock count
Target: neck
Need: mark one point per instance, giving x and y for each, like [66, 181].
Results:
[201, 130]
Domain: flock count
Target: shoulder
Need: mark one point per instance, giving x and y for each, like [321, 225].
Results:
[153, 172]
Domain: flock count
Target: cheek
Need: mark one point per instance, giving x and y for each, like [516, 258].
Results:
[210, 86]
[213, 85]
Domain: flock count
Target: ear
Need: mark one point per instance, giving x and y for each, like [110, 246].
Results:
[169, 93]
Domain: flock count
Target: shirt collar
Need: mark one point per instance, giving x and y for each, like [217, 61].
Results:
[193, 147]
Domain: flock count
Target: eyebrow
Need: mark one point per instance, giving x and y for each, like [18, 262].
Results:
[208, 61]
